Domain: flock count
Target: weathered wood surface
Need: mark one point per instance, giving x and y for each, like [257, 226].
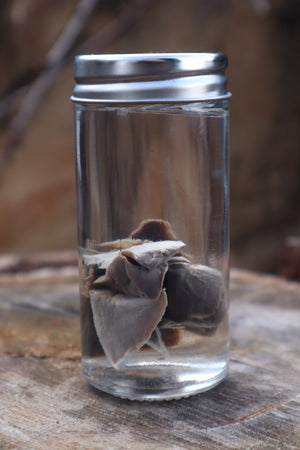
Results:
[46, 404]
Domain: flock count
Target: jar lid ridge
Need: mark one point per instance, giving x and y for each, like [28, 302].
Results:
[150, 77]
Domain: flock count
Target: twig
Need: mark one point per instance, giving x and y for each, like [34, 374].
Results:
[56, 58]
[56, 55]
[54, 61]
[116, 27]
[8, 105]
[71, 33]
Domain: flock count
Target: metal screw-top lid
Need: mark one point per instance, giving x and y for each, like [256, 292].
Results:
[150, 77]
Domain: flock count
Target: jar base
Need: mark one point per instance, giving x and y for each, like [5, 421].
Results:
[156, 382]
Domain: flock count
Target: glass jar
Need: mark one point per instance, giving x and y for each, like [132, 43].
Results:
[151, 140]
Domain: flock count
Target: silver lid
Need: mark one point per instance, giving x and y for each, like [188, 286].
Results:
[150, 77]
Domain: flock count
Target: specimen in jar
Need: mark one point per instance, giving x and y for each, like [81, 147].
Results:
[196, 294]
[131, 300]
[145, 289]
[125, 323]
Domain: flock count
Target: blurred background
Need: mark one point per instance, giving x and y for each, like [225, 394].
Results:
[37, 177]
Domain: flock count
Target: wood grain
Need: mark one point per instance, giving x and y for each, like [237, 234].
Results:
[46, 404]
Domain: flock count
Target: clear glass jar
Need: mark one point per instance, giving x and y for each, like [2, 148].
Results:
[151, 138]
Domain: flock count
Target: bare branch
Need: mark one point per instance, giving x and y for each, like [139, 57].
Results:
[57, 56]
[54, 61]
[116, 27]
[65, 42]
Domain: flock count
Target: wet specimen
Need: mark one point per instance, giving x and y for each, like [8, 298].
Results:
[142, 290]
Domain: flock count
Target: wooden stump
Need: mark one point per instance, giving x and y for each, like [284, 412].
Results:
[46, 403]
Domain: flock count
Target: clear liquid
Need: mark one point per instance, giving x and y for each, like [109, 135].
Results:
[164, 162]
[190, 359]
[152, 379]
